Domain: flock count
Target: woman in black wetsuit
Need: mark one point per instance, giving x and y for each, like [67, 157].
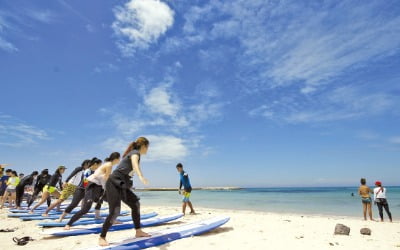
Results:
[20, 189]
[41, 181]
[118, 188]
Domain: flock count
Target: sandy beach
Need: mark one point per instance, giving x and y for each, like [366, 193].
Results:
[245, 230]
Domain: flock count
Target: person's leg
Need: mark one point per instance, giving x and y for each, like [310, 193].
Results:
[114, 206]
[45, 195]
[369, 210]
[365, 210]
[132, 201]
[191, 207]
[79, 194]
[19, 192]
[97, 208]
[379, 204]
[183, 207]
[87, 204]
[12, 201]
[6, 194]
[33, 197]
[53, 205]
[386, 206]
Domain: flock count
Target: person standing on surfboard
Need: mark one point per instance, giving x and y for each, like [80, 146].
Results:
[118, 188]
[187, 189]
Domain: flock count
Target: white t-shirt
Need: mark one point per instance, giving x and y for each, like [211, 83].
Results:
[379, 192]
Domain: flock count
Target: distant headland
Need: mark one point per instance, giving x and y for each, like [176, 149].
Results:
[197, 188]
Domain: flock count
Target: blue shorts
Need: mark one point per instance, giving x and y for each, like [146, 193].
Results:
[186, 196]
[366, 200]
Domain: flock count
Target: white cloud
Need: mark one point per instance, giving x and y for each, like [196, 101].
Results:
[106, 68]
[342, 103]
[140, 23]
[7, 46]
[15, 133]
[44, 16]
[159, 100]
[166, 148]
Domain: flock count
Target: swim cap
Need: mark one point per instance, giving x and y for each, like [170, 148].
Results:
[378, 183]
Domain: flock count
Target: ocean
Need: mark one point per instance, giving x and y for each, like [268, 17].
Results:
[337, 201]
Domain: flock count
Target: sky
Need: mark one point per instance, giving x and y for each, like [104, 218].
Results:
[249, 93]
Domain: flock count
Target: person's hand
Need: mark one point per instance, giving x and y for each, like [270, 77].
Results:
[144, 180]
[179, 191]
[64, 185]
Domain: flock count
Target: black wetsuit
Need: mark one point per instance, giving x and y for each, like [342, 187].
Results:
[19, 190]
[118, 187]
[41, 181]
[55, 178]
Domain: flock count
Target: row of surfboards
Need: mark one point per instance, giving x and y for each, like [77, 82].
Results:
[89, 225]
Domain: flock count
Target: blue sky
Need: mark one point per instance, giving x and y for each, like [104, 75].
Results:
[243, 93]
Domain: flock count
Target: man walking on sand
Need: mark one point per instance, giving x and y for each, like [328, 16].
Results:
[187, 188]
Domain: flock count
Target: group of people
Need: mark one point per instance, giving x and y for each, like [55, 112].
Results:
[379, 198]
[93, 181]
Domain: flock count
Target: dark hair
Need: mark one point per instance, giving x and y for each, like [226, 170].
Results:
[45, 171]
[363, 181]
[141, 141]
[14, 173]
[85, 162]
[179, 165]
[113, 156]
[94, 160]
[9, 170]
[35, 173]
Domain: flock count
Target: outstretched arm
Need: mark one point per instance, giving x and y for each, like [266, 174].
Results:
[136, 168]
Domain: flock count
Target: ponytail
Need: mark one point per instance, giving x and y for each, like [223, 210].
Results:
[113, 156]
[141, 141]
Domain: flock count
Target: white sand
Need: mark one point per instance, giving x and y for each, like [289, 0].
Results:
[245, 230]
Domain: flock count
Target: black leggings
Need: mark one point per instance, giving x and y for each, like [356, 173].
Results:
[19, 191]
[114, 197]
[35, 195]
[93, 193]
[384, 205]
[79, 194]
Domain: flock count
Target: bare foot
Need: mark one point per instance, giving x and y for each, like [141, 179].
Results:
[67, 227]
[140, 233]
[193, 212]
[45, 215]
[103, 242]
[30, 212]
[116, 222]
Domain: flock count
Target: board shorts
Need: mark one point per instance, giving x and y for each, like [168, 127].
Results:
[10, 190]
[67, 191]
[366, 200]
[186, 196]
[2, 191]
[49, 189]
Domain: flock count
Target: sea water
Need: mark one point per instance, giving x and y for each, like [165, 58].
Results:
[337, 201]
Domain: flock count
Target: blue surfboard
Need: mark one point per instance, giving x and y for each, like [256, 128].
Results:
[164, 236]
[90, 229]
[56, 216]
[92, 221]
[51, 213]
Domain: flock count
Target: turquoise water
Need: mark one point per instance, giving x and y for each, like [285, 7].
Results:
[319, 201]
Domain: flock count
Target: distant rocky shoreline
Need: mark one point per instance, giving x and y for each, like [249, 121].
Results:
[199, 188]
